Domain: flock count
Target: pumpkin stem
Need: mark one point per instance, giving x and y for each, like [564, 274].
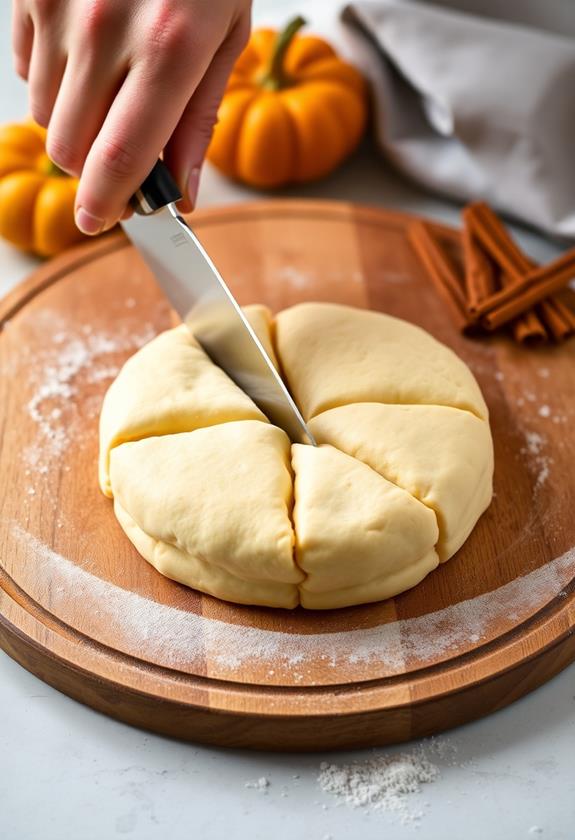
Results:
[51, 170]
[275, 78]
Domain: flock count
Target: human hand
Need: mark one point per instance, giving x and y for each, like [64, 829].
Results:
[116, 83]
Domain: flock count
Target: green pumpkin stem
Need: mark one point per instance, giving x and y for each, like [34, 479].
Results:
[53, 171]
[275, 77]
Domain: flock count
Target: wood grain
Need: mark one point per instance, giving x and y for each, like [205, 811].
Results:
[82, 610]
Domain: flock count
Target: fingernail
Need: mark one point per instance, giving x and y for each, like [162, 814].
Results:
[88, 223]
[193, 184]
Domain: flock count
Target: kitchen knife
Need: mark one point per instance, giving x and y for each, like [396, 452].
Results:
[198, 293]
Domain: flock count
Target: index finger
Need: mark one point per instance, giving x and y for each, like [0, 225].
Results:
[138, 125]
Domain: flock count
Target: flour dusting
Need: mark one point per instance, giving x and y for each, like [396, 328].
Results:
[75, 357]
[170, 636]
[538, 460]
[384, 782]
[261, 784]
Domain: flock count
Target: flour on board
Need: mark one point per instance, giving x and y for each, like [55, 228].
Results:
[174, 636]
[77, 355]
[539, 461]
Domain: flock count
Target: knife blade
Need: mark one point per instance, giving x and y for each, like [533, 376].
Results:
[199, 294]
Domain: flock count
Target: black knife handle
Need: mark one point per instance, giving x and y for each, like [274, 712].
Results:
[158, 189]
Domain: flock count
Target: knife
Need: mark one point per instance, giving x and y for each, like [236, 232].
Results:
[199, 294]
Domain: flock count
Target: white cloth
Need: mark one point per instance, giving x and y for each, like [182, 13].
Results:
[472, 106]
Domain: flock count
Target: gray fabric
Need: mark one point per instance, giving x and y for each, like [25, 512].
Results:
[473, 107]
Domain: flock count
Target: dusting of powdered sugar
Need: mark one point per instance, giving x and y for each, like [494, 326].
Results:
[171, 636]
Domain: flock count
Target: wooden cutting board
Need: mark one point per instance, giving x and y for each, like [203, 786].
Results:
[82, 610]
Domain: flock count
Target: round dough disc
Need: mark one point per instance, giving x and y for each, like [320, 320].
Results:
[217, 498]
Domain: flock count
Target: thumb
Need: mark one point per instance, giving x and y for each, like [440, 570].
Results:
[187, 147]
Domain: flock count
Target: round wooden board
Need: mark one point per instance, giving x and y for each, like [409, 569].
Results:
[82, 610]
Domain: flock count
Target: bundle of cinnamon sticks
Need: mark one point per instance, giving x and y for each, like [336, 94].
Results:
[498, 284]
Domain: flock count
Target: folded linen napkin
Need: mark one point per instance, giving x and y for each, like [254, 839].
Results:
[473, 107]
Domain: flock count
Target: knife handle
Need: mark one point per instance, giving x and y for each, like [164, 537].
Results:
[158, 189]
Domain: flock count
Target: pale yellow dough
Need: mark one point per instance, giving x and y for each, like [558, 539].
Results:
[174, 490]
[360, 538]
[443, 456]
[261, 321]
[335, 355]
[168, 386]
[217, 498]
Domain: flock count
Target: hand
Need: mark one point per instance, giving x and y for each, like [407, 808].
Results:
[118, 81]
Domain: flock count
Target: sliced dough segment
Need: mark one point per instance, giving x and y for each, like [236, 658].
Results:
[221, 496]
[261, 321]
[442, 456]
[202, 575]
[168, 386]
[335, 355]
[359, 538]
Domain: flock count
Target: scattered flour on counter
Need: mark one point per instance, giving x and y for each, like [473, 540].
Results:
[261, 784]
[384, 782]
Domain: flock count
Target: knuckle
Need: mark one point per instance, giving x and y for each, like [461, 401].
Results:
[97, 18]
[204, 126]
[169, 32]
[44, 9]
[63, 154]
[119, 159]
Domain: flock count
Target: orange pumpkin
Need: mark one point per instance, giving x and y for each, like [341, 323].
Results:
[292, 110]
[36, 198]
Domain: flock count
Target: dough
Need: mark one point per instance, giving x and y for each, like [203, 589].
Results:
[443, 456]
[212, 508]
[359, 536]
[217, 498]
[168, 386]
[261, 321]
[335, 355]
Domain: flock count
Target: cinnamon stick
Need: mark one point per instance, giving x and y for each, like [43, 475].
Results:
[480, 281]
[441, 272]
[527, 328]
[539, 284]
[558, 318]
[566, 313]
[553, 316]
[496, 240]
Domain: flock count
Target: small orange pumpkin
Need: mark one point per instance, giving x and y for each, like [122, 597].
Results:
[292, 110]
[36, 198]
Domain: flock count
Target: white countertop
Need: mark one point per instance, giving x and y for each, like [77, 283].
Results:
[67, 772]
